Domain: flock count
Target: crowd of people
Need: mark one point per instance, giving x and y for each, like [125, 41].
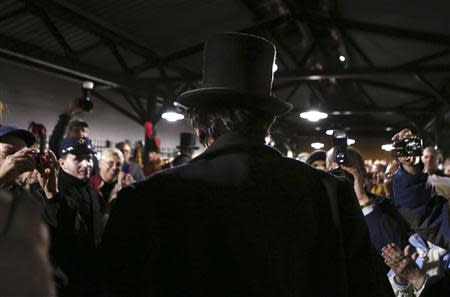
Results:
[240, 219]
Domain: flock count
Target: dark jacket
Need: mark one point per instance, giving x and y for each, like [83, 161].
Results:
[239, 220]
[74, 220]
[58, 133]
[180, 160]
[426, 212]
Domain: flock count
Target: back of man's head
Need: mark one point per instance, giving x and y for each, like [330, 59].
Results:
[212, 122]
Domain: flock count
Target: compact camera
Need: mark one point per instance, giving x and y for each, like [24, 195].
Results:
[408, 147]
[340, 147]
[85, 101]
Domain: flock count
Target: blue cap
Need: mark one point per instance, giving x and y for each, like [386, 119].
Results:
[76, 146]
[10, 130]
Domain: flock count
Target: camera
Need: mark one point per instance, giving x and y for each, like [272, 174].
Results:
[42, 158]
[408, 147]
[85, 101]
[340, 147]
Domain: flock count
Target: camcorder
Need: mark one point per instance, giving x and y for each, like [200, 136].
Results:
[340, 147]
[85, 101]
[409, 147]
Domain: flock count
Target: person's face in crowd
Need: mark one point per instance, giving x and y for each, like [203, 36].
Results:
[126, 151]
[319, 164]
[110, 168]
[78, 132]
[153, 156]
[429, 160]
[10, 145]
[447, 167]
[78, 166]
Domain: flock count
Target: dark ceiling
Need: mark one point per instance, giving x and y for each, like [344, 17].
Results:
[396, 71]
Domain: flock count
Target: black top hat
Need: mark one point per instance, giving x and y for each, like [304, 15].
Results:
[237, 70]
[187, 140]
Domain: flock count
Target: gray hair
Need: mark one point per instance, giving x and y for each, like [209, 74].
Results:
[109, 152]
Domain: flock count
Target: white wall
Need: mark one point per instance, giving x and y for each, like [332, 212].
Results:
[32, 95]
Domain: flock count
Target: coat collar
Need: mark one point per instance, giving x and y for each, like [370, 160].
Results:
[236, 142]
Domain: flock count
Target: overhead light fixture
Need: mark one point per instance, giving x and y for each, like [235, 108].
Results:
[342, 58]
[388, 129]
[172, 116]
[274, 68]
[313, 115]
[350, 141]
[329, 132]
[387, 147]
[317, 145]
[347, 113]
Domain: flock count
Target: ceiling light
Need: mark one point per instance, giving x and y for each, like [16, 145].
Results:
[274, 68]
[388, 129]
[329, 132]
[172, 116]
[313, 115]
[347, 112]
[350, 141]
[342, 58]
[387, 147]
[317, 145]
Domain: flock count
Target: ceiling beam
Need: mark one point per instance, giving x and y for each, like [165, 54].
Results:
[429, 37]
[31, 55]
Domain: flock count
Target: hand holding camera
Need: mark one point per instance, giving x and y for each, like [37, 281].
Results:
[83, 103]
[408, 149]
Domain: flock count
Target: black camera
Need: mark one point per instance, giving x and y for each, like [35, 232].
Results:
[340, 147]
[409, 147]
[42, 159]
[85, 101]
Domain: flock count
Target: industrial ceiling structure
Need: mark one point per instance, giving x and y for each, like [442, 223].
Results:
[374, 66]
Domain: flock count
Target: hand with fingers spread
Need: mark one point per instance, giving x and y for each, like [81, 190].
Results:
[403, 264]
[16, 164]
[48, 176]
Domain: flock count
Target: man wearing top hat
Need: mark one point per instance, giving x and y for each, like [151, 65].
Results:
[75, 222]
[240, 219]
[186, 149]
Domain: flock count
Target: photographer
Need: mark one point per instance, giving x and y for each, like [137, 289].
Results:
[417, 201]
[24, 244]
[385, 226]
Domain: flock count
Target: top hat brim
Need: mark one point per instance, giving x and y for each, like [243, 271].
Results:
[220, 96]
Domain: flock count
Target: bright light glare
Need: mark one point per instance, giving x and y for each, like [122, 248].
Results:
[329, 132]
[172, 116]
[350, 141]
[313, 115]
[387, 147]
[274, 68]
[342, 58]
[317, 145]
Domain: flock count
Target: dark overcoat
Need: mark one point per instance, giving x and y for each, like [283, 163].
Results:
[239, 220]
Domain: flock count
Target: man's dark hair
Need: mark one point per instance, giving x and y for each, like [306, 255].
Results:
[78, 124]
[121, 145]
[213, 122]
